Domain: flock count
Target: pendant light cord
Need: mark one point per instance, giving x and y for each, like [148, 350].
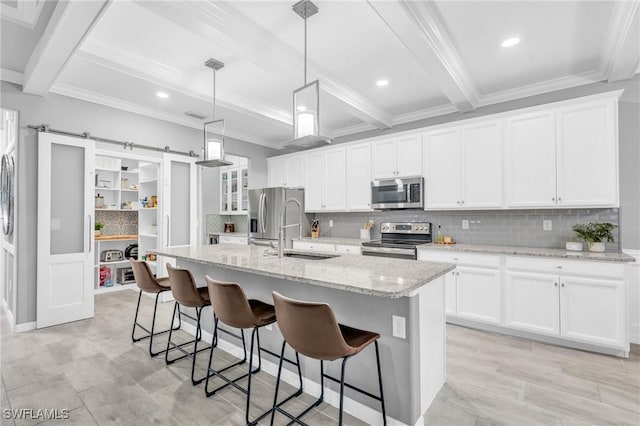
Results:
[214, 96]
[305, 49]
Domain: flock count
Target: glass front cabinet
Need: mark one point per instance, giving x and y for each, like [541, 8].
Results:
[234, 192]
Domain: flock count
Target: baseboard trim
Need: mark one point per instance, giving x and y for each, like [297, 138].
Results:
[331, 397]
[9, 314]
[25, 326]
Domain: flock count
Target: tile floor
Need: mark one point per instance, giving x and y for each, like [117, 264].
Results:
[91, 368]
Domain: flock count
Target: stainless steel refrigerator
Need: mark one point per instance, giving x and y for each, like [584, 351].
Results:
[264, 214]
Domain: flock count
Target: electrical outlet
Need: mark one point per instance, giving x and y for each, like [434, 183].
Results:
[398, 325]
[546, 225]
[465, 224]
[331, 223]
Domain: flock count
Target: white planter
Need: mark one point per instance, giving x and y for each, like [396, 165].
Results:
[596, 247]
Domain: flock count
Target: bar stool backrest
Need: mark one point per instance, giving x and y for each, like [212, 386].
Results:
[144, 277]
[183, 287]
[310, 328]
[230, 304]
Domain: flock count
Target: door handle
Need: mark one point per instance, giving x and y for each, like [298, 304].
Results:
[90, 231]
[168, 232]
[264, 213]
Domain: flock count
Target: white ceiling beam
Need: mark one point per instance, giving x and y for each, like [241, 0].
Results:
[418, 27]
[226, 26]
[70, 23]
[11, 76]
[621, 51]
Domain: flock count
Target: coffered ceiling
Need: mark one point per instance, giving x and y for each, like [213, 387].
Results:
[439, 57]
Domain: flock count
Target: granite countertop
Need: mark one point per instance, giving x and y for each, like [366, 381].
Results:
[531, 251]
[376, 276]
[332, 240]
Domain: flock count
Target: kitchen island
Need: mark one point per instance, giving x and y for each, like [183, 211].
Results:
[364, 292]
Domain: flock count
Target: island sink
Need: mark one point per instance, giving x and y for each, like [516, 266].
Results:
[309, 256]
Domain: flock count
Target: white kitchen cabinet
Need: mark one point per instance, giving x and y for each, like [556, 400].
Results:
[463, 167]
[347, 248]
[311, 246]
[532, 302]
[587, 154]
[442, 169]
[234, 190]
[358, 169]
[531, 160]
[325, 172]
[563, 157]
[592, 310]
[286, 170]
[580, 301]
[478, 293]
[473, 290]
[397, 157]
[232, 239]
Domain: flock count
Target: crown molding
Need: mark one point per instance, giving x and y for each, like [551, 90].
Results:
[418, 27]
[542, 87]
[222, 24]
[138, 66]
[425, 113]
[26, 12]
[98, 98]
[620, 49]
[356, 128]
[11, 76]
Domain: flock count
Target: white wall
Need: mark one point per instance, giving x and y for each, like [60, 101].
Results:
[72, 115]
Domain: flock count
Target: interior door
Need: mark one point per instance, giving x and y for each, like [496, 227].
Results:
[65, 229]
[179, 209]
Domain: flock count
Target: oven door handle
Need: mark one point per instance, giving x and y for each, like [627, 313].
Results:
[390, 250]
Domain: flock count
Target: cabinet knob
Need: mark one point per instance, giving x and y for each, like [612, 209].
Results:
[555, 284]
[462, 202]
[562, 284]
[559, 198]
[553, 199]
[559, 266]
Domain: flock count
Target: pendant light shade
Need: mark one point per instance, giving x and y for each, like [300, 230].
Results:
[214, 130]
[306, 99]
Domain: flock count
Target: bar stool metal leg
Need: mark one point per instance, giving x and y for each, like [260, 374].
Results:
[150, 333]
[171, 346]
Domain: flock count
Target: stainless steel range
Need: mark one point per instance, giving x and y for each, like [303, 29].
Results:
[399, 240]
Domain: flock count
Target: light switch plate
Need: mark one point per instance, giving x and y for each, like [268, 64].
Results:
[399, 326]
[546, 225]
[331, 223]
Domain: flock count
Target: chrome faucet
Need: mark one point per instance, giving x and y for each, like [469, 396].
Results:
[283, 210]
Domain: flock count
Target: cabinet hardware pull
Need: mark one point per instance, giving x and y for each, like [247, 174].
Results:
[562, 284]
[553, 199]
[559, 267]
[555, 284]
[559, 199]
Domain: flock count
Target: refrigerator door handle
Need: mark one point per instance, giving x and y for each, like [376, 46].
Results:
[260, 214]
[263, 217]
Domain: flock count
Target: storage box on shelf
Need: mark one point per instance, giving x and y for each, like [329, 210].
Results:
[107, 267]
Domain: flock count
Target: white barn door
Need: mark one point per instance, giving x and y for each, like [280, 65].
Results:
[65, 229]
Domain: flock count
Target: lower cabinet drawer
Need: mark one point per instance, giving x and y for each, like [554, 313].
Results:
[304, 245]
[343, 248]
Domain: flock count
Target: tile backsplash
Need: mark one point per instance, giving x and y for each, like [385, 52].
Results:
[496, 227]
[118, 222]
[215, 222]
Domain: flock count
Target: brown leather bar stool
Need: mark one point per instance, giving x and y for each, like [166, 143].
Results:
[148, 283]
[312, 330]
[231, 307]
[184, 290]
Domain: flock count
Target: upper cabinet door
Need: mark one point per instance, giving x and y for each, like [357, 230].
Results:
[531, 160]
[409, 155]
[335, 179]
[359, 177]
[482, 165]
[384, 159]
[442, 169]
[587, 155]
[313, 173]
[276, 166]
[294, 171]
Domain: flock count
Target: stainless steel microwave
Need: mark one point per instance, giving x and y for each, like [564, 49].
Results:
[397, 193]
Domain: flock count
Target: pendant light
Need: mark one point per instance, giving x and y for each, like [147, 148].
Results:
[306, 99]
[214, 130]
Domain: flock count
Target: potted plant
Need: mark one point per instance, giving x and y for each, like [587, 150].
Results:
[98, 228]
[595, 234]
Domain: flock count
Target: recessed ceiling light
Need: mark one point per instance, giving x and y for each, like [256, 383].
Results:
[382, 83]
[162, 95]
[510, 42]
